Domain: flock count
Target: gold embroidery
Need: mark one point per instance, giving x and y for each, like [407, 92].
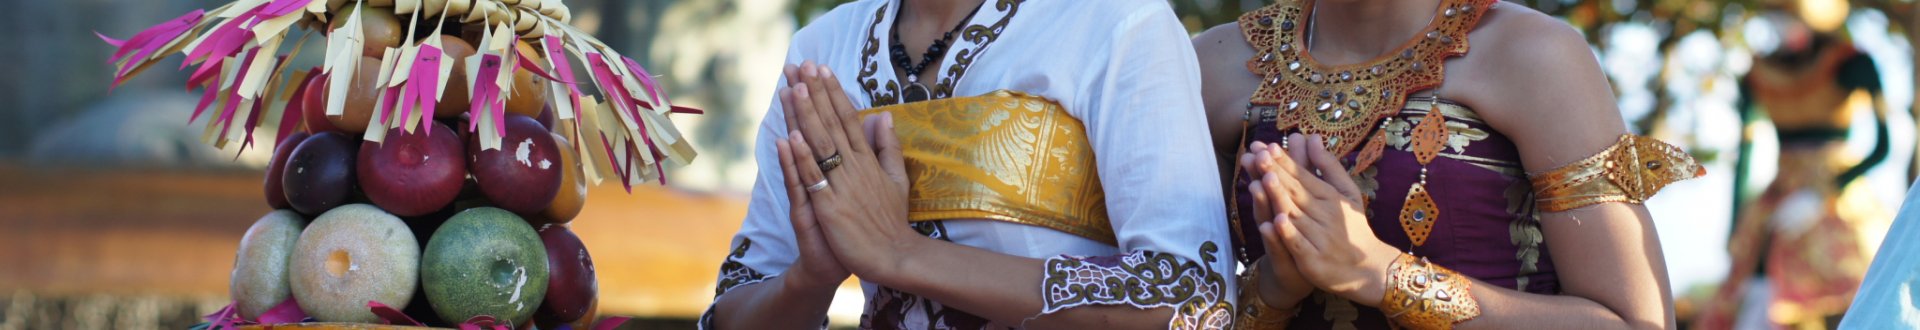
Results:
[1524, 232]
[1421, 295]
[1337, 311]
[1369, 186]
[1630, 171]
[1255, 313]
[1459, 134]
[1347, 102]
[1004, 156]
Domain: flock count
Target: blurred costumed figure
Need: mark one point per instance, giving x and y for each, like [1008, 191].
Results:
[1801, 247]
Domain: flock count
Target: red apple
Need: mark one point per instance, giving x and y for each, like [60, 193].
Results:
[571, 285]
[523, 175]
[413, 174]
[276, 195]
[547, 118]
[319, 174]
[314, 112]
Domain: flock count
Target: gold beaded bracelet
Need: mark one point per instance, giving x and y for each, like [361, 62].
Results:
[1255, 313]
[1421, 295]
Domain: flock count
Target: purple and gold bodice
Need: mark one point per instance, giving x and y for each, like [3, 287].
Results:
[1491, 230]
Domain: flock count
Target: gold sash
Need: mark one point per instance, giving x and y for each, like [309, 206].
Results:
[1004, 156]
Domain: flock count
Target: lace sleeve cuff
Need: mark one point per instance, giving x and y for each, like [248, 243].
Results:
[1142, 279]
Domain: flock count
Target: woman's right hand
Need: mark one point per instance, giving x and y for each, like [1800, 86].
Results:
[817, 268]
[1281, 284]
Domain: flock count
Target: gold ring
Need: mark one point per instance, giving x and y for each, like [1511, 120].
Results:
[817, 186]
[832, 162]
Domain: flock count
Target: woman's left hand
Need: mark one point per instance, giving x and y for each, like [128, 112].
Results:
[861, 202]
[1324, 227]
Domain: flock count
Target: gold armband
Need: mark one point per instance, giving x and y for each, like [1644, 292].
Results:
[1421, 295]
[1254, 312]
[1630, 171]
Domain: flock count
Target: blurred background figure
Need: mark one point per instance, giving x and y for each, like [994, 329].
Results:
[1802, 246]
[113, 215]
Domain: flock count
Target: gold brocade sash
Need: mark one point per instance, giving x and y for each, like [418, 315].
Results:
[1004, 156]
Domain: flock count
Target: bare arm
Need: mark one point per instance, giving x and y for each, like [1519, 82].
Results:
[1225, 87]
[1557, 107]
[1535, 82]
[863, 226]
[781, 224]
[777, 303]
[1003, 288]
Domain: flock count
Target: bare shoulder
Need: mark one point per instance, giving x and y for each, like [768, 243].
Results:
[1537, 81]
[1221, 38]
[1512, 32]
[1225, 83]
[1222, 50]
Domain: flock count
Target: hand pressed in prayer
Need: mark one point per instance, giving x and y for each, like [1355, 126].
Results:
[817, 267]
[1282, 286]
[863, 208]
[1321, 224]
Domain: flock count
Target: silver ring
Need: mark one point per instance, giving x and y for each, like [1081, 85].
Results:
[817, 186]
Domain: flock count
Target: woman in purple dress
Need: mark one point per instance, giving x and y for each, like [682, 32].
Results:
[1377, 188]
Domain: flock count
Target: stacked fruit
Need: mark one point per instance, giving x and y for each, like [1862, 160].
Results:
[425, 172]
[424, 218]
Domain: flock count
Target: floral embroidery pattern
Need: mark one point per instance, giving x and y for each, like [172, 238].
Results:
[981, 36]
[870, 65]
[879, 94]
[1524, 232]
[733, 274]
[932, 229]
[895, 309]
[1142, 279]
[1460, 135]
[1338, 311]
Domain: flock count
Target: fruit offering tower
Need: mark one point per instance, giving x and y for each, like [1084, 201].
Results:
[427, 172]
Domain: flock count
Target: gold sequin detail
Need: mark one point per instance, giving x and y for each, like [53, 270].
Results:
[1346, 102]
[1004, 156]
[1630, 171]
[1421, 295]
[1254, 312]
[1418, 214]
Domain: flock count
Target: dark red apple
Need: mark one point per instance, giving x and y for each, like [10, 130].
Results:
[314, 111]
[276, 195]
[547, 118]
[319, 174]
[571, 285]
[523, 175]
[413, 174]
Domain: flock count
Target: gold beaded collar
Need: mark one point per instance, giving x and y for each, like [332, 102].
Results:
[1346, 102]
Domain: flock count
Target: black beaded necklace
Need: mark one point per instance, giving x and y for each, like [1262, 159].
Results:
[915, 91]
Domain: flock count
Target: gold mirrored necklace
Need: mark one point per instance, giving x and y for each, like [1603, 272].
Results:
[1352, 104]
